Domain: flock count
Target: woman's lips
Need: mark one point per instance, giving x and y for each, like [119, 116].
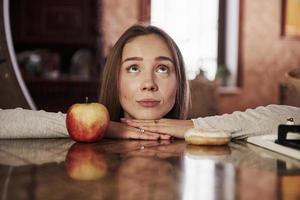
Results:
[148, 103]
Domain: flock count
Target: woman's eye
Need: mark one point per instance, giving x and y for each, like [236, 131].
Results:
[162, 69]
[133, 69]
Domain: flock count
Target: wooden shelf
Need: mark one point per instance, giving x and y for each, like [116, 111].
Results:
[55, 21]
[59, 94]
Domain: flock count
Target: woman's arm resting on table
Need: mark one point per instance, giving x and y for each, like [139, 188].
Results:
[259, 121]
[22, 123]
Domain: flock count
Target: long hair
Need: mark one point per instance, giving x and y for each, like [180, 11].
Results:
[109, 93]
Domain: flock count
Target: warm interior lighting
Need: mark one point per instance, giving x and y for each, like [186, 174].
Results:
[193, 24]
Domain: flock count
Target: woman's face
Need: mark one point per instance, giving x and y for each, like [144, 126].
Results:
[147, 81]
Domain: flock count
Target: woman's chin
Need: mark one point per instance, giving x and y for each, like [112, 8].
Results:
[150, 116]
[146, 114]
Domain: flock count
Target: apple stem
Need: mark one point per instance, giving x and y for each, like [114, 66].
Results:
[86, 99]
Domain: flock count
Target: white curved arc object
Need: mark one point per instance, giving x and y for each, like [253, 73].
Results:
[11, 52]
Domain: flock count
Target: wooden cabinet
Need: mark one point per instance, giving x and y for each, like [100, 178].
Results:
[61, 28]
[59, 95]
[72, 22]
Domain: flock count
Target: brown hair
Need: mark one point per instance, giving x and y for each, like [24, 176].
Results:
[109, 82]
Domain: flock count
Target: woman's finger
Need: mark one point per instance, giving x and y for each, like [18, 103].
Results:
[138, 124]
[175, 131]
[147, 134]
[123, 131]
[138, 133]
[157, 129]
[165, 137]
[152, 127]
[135, 133]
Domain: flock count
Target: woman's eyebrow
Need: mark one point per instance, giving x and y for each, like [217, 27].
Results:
[132, 58]
[162, 58]
[159, 58]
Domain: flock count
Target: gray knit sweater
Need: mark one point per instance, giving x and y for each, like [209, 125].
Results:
[21, 123]
[259, 121]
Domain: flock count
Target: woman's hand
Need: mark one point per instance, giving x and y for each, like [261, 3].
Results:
[172, 127]
[123, 131]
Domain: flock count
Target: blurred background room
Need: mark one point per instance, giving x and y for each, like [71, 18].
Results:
[239, 53]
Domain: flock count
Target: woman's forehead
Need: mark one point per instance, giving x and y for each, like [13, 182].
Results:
[151, 44]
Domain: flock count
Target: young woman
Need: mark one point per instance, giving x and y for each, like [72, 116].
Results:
[144, 78]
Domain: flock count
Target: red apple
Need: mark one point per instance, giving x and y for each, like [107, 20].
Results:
[86, 162]
[87, 122]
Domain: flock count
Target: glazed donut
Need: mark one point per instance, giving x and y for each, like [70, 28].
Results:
[198, 136]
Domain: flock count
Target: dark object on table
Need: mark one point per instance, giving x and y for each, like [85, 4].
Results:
[283, 130]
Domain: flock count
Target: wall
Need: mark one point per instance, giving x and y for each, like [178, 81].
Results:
[117, 16]
[265, 56]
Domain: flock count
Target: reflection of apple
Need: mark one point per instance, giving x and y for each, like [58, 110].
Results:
[86, 162]
[87, 122]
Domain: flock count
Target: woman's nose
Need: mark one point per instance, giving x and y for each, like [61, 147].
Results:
[149, 83]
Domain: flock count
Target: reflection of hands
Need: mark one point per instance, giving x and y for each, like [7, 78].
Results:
[147, 178]
[163, 149]
[172, 127]
[123, 131]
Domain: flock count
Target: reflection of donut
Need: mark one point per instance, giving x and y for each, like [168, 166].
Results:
[208, 150]
[199, 136]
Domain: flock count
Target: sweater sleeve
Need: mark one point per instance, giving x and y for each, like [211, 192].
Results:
[22, 123]
[258, 121]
